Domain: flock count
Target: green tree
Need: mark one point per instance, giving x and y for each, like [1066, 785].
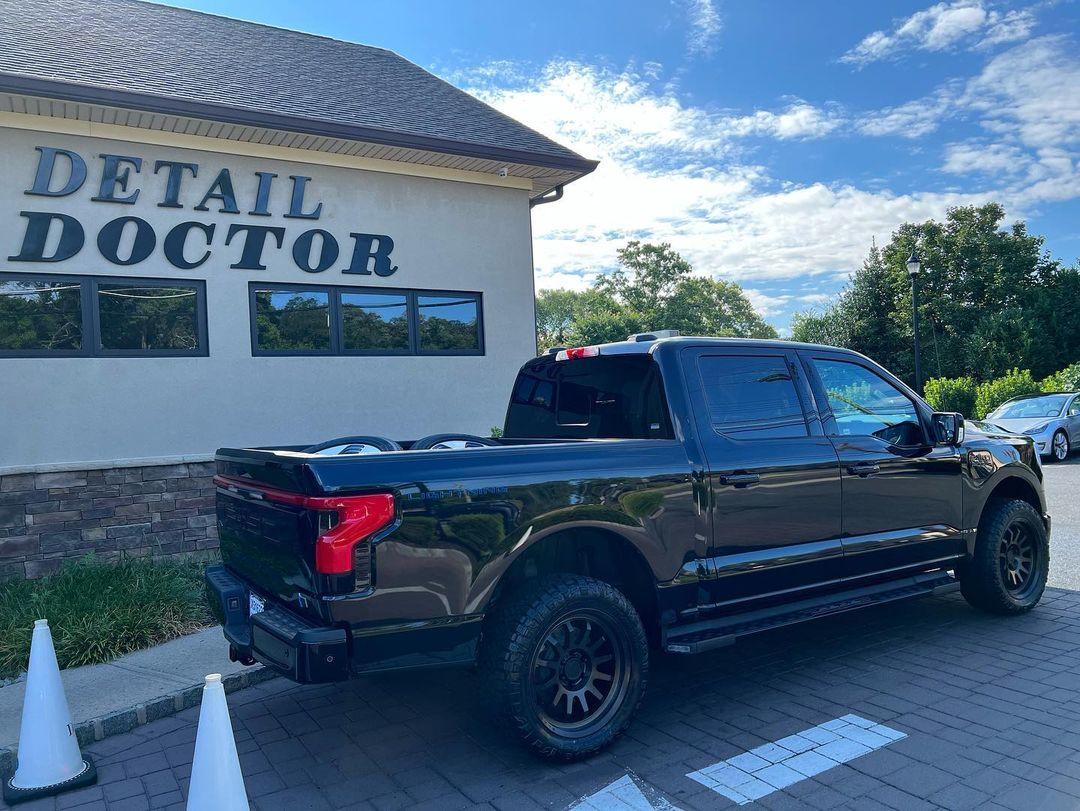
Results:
[990, 297]
[652, 288]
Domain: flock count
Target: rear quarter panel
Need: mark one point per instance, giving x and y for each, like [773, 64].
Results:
[466, 516]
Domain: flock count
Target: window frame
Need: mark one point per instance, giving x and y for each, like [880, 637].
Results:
[337, 321]
[91, 318]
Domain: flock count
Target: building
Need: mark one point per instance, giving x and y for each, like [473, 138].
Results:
[221, 233]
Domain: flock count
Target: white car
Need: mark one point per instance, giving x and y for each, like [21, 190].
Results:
[1052, 420]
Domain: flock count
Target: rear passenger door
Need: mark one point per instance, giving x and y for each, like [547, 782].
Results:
[902, 494]
[773, 476]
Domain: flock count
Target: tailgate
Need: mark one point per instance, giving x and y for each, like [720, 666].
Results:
[268, 544]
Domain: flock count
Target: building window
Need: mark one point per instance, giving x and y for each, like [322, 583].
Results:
[135, 317]
[292, 321]
[83, 316]
[449, 324]
[375, 322]
[302, 320]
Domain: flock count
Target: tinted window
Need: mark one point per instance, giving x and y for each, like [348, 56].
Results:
[449, 324]
[292, 320]
[751, 396]
[1074, 409]
[864, 404]
[371, 321]
[134, 317]
[40, 315]
[589, 398]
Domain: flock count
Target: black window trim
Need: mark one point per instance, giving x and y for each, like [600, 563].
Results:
[336, 349]
[91, 327]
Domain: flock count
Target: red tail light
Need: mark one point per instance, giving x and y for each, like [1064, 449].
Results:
[358, 517]
[351, 520]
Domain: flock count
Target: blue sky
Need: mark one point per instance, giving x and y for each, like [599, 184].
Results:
[768, 140]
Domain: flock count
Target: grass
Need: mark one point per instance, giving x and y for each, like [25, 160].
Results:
[98, 611]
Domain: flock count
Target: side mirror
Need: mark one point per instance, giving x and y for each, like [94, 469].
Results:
[948, 427]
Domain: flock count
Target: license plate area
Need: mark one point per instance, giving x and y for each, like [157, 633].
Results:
[256, 604]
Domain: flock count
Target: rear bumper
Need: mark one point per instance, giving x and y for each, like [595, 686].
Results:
[285, 642]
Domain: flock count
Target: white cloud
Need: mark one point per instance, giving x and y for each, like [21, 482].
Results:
[705, 26]
[673, 172]
[799, 120]
[967, 23]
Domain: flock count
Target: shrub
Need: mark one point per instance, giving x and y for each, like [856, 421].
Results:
[951, 394]
[1068, 379]
[98, 611]
[1013, 384]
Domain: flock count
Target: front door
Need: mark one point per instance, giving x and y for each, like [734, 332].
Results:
[773, 476]
[902, 493]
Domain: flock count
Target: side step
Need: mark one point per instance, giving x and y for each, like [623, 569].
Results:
[707, 635]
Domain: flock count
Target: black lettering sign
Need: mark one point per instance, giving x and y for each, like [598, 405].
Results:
[47, 164]
[176, 177]
[109, 237]
[116, 174]
[377, 257]
[176, 239]
[71, 241]
[221, 189]
[328, 252]
[262, 195]
[296, 206]
[251, 255]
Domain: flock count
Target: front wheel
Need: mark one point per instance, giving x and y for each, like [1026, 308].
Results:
[1007, 574]
[1059, 447]
[566, 661]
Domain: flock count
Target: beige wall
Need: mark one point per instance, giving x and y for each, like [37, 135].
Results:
[448, 235]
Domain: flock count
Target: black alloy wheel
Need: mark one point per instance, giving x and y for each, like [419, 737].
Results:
[1008, 570]
[565, 660]
[579, 674]
[1018, 558]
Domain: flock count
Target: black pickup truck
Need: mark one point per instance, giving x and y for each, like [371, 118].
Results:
[661, 493]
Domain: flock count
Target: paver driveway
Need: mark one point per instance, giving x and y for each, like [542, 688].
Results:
[990, 708]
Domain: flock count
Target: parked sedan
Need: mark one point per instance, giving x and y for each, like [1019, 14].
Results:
[1052, 420]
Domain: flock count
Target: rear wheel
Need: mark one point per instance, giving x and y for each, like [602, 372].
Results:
[566, 661]
[1007, 574]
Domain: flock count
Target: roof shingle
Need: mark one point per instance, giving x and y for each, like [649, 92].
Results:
[146, 56]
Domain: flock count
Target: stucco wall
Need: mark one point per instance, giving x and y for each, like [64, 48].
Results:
[448, 235]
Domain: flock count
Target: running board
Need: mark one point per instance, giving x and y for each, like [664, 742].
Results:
[707, 635]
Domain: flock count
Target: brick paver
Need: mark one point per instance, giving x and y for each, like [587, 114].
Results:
[990, 708]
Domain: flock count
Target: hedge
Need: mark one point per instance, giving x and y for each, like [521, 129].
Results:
[951, 394]
[977, 400]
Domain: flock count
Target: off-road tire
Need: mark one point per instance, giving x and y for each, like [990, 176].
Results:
[513, 636]
[982, 579]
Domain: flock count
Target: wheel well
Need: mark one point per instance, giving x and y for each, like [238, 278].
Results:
[593, 553]
[1015, 487]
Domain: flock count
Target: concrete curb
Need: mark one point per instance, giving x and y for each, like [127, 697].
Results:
[116, 723]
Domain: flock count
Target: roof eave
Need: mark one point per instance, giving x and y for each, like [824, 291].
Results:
[169, 105]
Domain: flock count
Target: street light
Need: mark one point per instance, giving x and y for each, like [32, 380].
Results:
[914, 268]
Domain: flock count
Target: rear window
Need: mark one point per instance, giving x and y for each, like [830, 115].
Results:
[617, 397]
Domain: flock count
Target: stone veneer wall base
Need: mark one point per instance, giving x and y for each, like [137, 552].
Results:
[157, 510]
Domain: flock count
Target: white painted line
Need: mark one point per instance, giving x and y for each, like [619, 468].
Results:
[625, 793]
[773, 766]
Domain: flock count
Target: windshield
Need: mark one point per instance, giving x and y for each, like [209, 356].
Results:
[1049, 406]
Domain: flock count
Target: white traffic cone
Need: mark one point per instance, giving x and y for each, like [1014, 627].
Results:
[49, 760]
[216, 781]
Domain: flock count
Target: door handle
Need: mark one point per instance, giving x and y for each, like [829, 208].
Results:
[740, 479]
[864, 469]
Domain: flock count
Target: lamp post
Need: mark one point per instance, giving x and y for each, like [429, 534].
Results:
[914, 268]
